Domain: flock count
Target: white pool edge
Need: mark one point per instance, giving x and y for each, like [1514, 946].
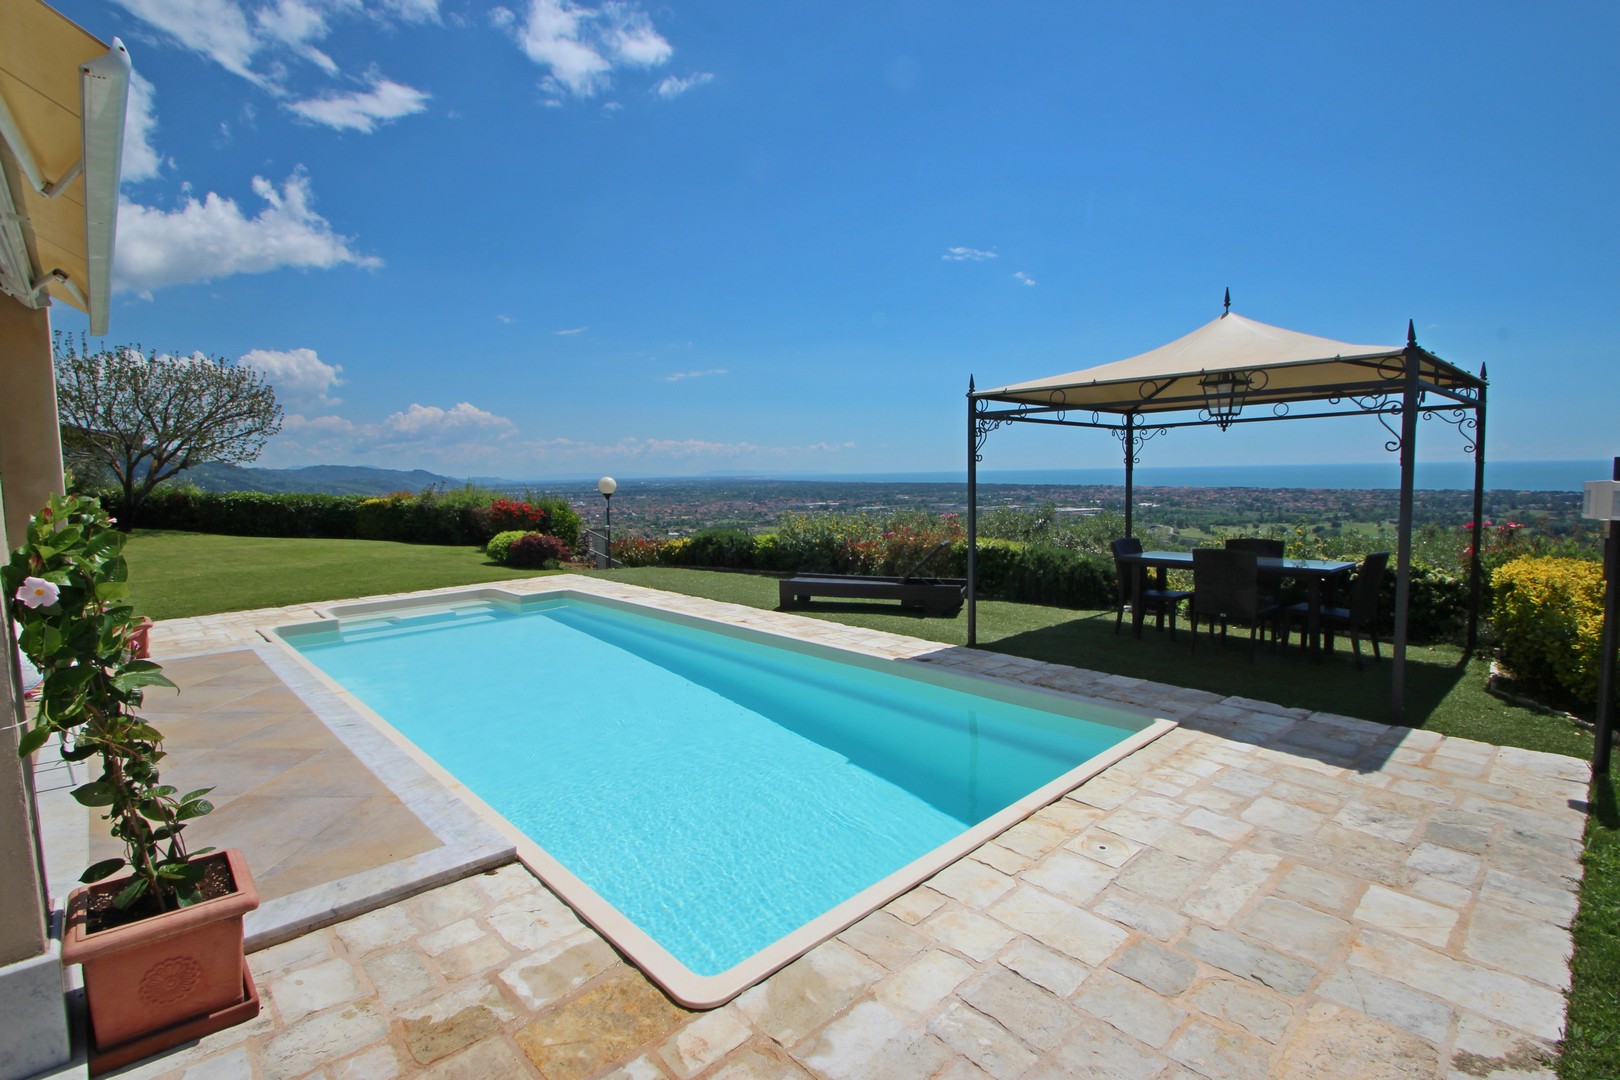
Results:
[680, 982]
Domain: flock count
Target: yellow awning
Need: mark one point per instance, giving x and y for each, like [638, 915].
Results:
[62, 100]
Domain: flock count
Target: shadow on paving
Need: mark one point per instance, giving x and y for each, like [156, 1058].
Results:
[1283, 676]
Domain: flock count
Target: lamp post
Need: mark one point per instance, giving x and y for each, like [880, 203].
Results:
[1602, 503]
[607, 486]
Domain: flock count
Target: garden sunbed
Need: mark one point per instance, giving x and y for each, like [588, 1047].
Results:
[932, 595]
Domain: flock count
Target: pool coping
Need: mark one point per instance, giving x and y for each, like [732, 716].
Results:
[685, 986]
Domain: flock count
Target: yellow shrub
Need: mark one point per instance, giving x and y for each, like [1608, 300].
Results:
[1549, 616]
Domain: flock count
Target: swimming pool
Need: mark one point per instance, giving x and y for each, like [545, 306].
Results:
[714, 800]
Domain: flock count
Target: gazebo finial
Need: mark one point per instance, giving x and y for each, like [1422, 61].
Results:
[1482, 375]
[970, 384]
[1411, 333]
[1228, 303]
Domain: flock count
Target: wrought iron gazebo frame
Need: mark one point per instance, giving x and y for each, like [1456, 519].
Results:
[1390, 387]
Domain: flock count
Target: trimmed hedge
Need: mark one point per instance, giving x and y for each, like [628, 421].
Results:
[459, 516]
[245, 513]
[1548, 614]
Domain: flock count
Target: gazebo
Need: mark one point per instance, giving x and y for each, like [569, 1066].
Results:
[1234, 370]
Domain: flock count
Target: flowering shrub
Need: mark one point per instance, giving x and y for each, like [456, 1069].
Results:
[68, 590]
[506, 515]
[500, 544]
[639, 551]
[535, 551]
[1549, 616]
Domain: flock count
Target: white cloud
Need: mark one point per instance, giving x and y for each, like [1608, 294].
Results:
[213, 238]
[571, 332]
[296, 25]
[581, 46]
[361, 110]
[141, 161]
[967, 254]
[425, 436]
[673, 87]
[303, 381]
[679, 375]
[630, 36]
[259, 43]
[414, 11]
[1023, 277]
[216, 29]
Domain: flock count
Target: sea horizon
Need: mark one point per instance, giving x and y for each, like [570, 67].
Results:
[1430, 476]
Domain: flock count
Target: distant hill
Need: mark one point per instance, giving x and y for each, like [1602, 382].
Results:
[319, 479]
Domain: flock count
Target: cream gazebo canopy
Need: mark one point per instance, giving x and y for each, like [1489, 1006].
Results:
[1234, 370]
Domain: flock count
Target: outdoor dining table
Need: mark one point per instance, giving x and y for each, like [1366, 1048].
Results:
[1313, 572]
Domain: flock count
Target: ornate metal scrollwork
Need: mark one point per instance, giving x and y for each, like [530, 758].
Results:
[1381, 406]
[1465, 420]
[1139, 437]
[983, 425]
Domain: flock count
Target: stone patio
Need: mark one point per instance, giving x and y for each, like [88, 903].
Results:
[1262, 892]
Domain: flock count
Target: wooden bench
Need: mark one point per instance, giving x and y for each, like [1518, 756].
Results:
[934, 596]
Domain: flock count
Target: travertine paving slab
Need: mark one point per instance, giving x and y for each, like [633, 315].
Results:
[1264, 893]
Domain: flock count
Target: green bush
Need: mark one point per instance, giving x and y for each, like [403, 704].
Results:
[500, 543]
[1548, 614]
[726, 549]
[561, 520]
[535, 551]
[1010, 570]
[246, 513]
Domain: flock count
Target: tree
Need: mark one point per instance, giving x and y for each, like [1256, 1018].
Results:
[145, 418]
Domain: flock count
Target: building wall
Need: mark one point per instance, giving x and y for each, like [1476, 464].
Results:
[30, 470]
[30, 437]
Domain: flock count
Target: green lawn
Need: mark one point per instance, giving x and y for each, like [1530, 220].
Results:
[179, 574]
[173, 575]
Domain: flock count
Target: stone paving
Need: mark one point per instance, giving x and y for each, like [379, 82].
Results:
[1262, 892]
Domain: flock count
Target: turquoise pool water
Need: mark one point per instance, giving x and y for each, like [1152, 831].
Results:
[720, 791]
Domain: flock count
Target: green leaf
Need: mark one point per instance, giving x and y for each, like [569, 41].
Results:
[96, 793]
[133, 892]
[104, 868]
[111, 590]
[35, 738]
[189, 810]
[130, 680]
[188, 796]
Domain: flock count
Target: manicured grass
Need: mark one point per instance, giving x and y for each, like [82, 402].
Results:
[174, 575]
[1592, 1041]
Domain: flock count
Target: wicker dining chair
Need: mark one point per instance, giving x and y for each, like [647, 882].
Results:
[1226, 589]
[1153, 597]
[1361, 617]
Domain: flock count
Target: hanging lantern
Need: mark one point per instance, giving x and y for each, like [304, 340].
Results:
[1224, 392]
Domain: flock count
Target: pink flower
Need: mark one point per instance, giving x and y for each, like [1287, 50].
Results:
[37, 593]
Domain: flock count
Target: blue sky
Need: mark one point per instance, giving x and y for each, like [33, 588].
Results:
[552, 240]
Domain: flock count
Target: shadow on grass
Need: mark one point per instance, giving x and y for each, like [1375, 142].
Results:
[1282, 675]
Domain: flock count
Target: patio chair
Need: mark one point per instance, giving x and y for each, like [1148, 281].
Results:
[1359, 618]
[1266, 548]
[1154, 597]
[1226, 589]
[1260, 545]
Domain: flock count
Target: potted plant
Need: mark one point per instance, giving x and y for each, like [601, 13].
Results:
[162, 945]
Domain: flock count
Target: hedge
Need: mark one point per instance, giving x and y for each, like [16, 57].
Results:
[1548, 614]
[459, 516]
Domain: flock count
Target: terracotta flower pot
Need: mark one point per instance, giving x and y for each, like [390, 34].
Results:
[140, 642]
[166, 979]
